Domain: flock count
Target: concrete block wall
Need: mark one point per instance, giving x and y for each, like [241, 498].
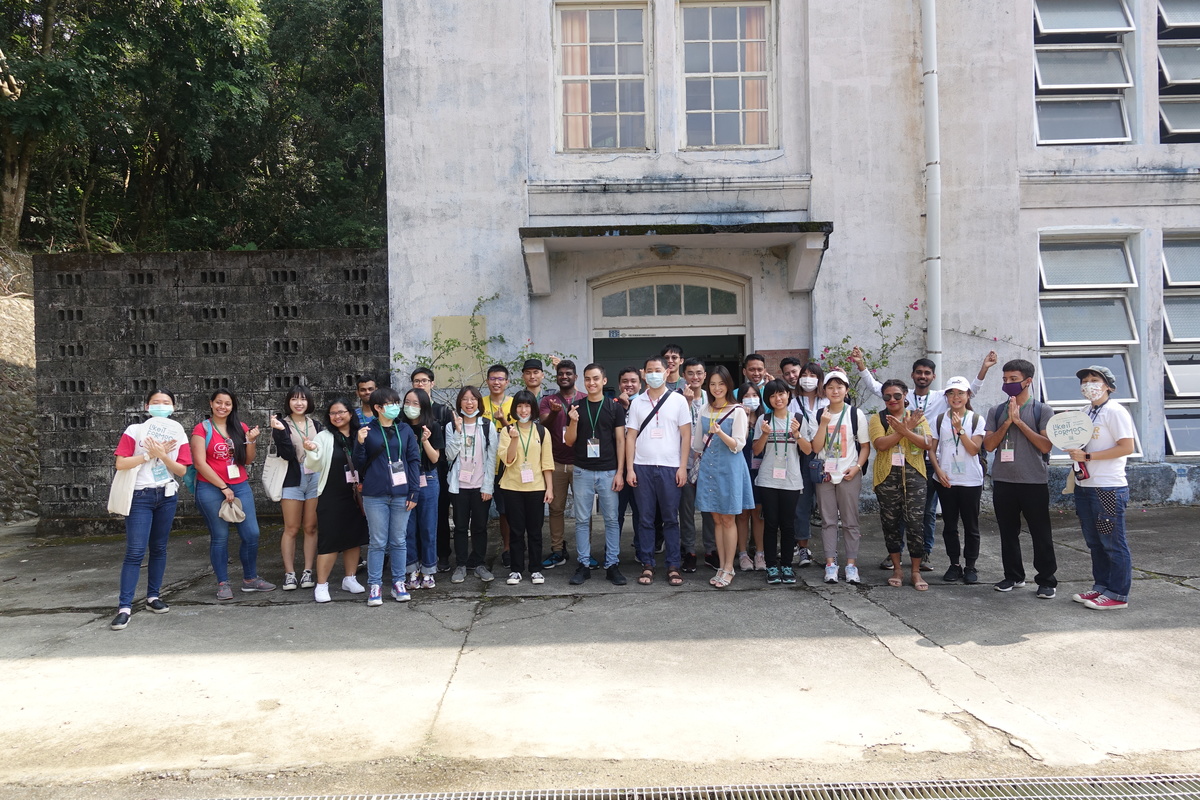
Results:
[111, 327]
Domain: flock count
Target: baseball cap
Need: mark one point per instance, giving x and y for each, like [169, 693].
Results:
[958, 382]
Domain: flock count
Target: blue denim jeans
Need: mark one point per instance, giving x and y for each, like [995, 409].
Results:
[1102, 518]
[656, 491]
[146, 528]
[587, 484]
[387, 526]
[208, 500]
[422, 527]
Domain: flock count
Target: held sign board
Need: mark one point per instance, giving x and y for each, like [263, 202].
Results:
[1070, 430]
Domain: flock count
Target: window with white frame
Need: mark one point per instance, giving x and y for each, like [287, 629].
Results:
[603, 64]
[1179, 70]
[727, 74]
[1181, 342]
[1086, 317]
[1081, 72]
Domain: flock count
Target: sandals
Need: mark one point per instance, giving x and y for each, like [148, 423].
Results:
[895, 581]
[919, 583]
[724, 578]
[647, 576]
[674, 578]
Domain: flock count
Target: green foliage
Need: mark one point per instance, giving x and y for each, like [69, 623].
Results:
[891, 333]
[198, 124]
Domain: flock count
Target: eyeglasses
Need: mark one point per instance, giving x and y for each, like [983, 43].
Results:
[893, 397]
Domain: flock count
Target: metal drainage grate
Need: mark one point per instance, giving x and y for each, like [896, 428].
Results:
[1152, 787]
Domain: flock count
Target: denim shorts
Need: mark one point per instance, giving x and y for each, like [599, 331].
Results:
[307, 490]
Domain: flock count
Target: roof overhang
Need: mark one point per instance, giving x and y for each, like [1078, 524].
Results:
[802, 244]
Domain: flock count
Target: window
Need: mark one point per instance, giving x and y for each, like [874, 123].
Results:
[1183, 374]
[727, 75]
[1086, 264]
[1179, 70]
[1080, 71]
[1179, 13]
[1183, 431]
[1181, 262]
[1060, 385]
[602, 77]
[1181, 354]
[666, 300]
[1090, 319]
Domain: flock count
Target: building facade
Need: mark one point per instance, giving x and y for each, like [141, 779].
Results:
[750, 175]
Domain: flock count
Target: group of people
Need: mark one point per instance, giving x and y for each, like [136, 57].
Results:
[759, 458]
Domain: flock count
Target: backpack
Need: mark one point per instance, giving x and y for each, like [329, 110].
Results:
[1036, 406]
[966, 418]
[189, 477]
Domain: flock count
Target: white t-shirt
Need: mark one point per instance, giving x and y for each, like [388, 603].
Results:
[962, 468]
[153, 473]
[809, 409]
[931, 405]
[841, 451]
[780, 452]
[1110, 424]
[658, 446]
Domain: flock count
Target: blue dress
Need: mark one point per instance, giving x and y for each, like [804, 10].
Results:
[723, 485]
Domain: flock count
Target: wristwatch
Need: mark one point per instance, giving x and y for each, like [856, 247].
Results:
[1087, 456]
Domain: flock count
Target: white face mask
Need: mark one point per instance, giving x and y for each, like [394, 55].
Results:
[751, 403]
[1092, 390]
[808, 383]
[655, 379]
[523, 417]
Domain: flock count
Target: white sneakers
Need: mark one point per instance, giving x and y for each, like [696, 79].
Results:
[537, 578]
[321, 593]
[852, 574]
[513, 578]
[350, 584]
[831, 573]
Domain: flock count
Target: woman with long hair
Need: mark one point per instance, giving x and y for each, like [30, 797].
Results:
[293, 431]
[341, 525]
[158, 449]
[423, 522]
[222, 447]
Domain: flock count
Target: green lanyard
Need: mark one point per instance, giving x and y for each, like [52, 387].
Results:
[596, 419]
[525, 440]
[774, 438]
[829, 433]
[297, 427]
[387, 449]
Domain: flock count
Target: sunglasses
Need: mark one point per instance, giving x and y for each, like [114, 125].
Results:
[893, 397]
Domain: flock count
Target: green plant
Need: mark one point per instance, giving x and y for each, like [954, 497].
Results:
[891, 331]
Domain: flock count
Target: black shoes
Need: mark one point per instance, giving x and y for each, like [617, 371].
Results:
[689, 562]
[614, 575]
[712, 560]
[953, 574]
[582, 573]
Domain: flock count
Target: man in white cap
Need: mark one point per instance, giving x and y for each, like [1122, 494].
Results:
[1102, 491]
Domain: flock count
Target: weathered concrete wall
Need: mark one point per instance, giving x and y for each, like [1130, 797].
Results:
[111, 327]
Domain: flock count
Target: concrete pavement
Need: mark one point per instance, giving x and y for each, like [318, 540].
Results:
[810, 682]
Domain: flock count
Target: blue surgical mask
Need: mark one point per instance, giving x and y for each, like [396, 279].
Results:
[472, 414]
[160, 409]
[391, 410]
[751, 403]
[412, 412]
[655, 379]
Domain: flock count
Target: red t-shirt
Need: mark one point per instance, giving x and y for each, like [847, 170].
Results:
[219, 454]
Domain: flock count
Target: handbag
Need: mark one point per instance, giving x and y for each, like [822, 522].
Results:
[120, 494]
[274, 471]
[694, 469]
[232, 511]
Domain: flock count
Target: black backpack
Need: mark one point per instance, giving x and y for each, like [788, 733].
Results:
[982, 452]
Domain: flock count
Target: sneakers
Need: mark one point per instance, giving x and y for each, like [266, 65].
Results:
[504, 559]
[970, 576]
[321, 593]
[156, 605]
[375, 595]
[443, 566]
[258, 585]
[1083, 597]
[660, 545]
[427, 582]
[400, 592]
[223, 591]
[886, 563]
[689, 562]
[460, 574]
[537, 579]
[773, 576]
[713, 560]
[954, 573]
[1046, 593]
[120, 621]
[350, 584]
[804, 557]
[744, 562]
[513, 578]
[852, 574]
[414, 580]
[831, 571]
[1104, 602]
[554, 559]
[484, 574]
[1007, 586]
[290, 584]
[760, 562]
[614, 575]
[306, 579]
[593, 563]
[788, 575]
[926, 565]
[582, 573]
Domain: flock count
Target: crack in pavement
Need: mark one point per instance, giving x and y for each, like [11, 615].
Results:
[426, 749]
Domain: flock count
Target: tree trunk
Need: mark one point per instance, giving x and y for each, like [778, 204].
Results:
[18, 158]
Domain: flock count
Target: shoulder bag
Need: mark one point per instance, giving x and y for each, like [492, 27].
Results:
[694, 471]
[120, 495]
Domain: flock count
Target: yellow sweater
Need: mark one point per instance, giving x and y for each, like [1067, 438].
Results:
[883, 461]
[538, 456]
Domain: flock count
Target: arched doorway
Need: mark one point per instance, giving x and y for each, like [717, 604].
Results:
[635, 313]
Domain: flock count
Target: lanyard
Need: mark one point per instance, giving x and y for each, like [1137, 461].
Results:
[1094, 411]
[714, 420]
[831, 433]
[774, 438]
[956, 436]
[387, 449]
[297, 427]
[472, 430]
[525, 440]
[596, 419]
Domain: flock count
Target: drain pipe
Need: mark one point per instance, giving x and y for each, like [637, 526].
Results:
[933, 184]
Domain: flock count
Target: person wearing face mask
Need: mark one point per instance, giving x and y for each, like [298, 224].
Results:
[808, 401]
[421, 543]
[1017, 429]
[471, 447]
[1102, 491]
[159, 450]
[388, 461]
[750, 521]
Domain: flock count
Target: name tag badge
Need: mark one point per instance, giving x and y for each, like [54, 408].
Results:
[897, 459]
[465, 474]
[1006, 455]
[233, 471]
[831, 466]
[526, 473]
[779, 473]
[593, 448]
[470, 442]
[956, 468]
[171, 488]
[351, 476]
[159, 472]
[656, 433]
[755, 462]
[422, 483]
[398, 476]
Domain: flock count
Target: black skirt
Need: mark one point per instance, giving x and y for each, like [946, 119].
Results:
[340, 523]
